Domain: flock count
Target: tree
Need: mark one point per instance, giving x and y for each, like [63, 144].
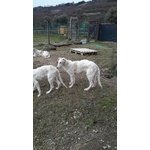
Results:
[62, 20]
[111, 15]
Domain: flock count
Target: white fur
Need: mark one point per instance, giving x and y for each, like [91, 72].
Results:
[52, 74]
[37, 52]
[72, 67]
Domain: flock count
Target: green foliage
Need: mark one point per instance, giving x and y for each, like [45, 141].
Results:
[42, 38]
[111, 15]
[79, 3]
[63, 20]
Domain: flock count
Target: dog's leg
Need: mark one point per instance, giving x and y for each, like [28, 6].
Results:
[94, 81]
[51, 85]
[90, 77]
[98, 77]
[34, 87]
[58, 83]
[72, 81]
[91, 85]
[60, 79]
[37, 85]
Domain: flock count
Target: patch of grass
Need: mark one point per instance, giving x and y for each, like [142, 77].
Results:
[54, 113]
[89, 123]
[42, 38]
[103, 112]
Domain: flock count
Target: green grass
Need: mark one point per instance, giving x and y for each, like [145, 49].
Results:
[106, 50]
[42, 38]
[54, 113]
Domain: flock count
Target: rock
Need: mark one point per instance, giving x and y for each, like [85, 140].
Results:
[108, 146]
[95, 131]
[67, 123]
[104, 147]
[77, 114]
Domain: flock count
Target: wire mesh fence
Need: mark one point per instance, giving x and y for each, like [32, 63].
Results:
[61, 30]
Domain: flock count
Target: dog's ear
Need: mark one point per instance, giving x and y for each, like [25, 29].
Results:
[63, 59]
[58, 59]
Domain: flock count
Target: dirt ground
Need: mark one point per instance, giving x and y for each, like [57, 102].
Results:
[72, 119]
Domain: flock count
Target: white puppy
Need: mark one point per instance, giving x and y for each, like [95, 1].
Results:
[72, 67]
[37, 52]
[52, 74]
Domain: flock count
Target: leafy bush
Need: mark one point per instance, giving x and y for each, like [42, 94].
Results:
[111, 15]
[63, 20]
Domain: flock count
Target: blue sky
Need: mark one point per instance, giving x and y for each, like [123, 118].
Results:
[52, 2]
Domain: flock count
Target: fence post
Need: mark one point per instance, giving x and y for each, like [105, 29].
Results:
[48, 32]
[113, 64]
[47, 19]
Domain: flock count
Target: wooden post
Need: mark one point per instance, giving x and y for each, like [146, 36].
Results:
[48, 21]
[48, 31]
[88, 36]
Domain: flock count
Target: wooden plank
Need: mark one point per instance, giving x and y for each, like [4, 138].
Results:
[61, 44]
[83, 51]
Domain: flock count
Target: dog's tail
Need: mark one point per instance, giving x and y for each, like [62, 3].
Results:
[99, 81]
[59, 76]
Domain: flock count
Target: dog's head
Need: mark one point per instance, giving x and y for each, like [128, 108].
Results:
[61, 62]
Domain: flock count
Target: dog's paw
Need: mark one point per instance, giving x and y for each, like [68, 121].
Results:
[86, 89]
[70, 86]
[47, 92]
[93, 86]
[39, 95]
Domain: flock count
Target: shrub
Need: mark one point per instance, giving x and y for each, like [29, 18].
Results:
[111, 15]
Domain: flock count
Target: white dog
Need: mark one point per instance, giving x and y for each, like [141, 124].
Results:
[52, 74]
[72, 67]
[37, 52]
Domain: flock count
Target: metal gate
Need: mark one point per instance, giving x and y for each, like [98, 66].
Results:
[107, 32]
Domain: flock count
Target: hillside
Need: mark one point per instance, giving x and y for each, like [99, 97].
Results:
[107, 9]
